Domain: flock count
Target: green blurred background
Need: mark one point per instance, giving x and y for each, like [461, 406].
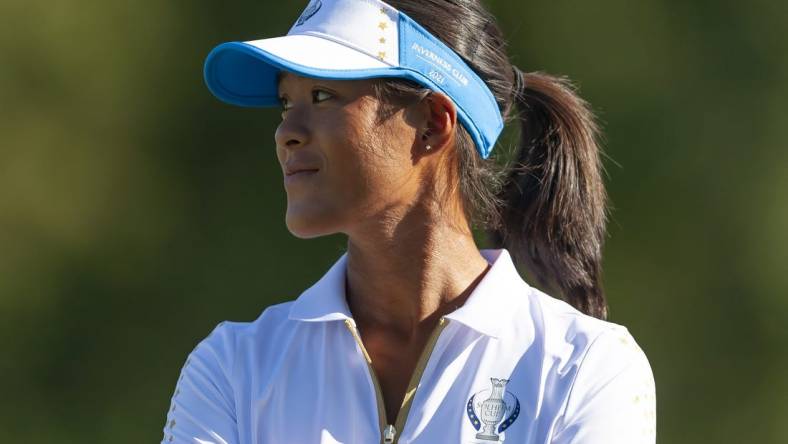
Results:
[137, 211]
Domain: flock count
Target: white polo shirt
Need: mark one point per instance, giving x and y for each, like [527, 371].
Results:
[512, 364]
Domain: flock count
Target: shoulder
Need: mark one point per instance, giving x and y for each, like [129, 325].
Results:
[589, 352]
[606, 375]
[232, 338]
[229, 341]
[273, 317]
[563, 328]
[203, 405]
[222, 358]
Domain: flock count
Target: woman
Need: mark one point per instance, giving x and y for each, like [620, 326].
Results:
[390, 112]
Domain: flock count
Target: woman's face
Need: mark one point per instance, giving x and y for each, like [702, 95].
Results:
[359, 168]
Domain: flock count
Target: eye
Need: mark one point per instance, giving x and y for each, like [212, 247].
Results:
[319, 95]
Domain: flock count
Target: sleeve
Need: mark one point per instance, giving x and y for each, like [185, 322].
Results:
[202, 410]
[613, 398]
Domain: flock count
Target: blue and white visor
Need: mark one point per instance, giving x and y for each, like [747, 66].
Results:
[354, 39]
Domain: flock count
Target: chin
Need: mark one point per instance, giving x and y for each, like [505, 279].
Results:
[305, 226]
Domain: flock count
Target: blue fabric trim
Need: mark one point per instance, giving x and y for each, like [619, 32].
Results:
[475, 102]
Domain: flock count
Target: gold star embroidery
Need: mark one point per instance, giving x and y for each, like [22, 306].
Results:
[172, 423]
[381, 55]
[382, 10]
[382, 40]
[170, 438]
[382, 25]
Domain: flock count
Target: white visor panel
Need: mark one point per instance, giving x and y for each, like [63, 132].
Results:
[245, 73]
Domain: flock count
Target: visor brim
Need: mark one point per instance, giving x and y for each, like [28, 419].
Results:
[245, 73]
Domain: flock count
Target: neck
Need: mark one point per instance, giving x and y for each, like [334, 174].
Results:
[401, 278]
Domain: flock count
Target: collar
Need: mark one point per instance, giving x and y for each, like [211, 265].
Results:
[496, 294]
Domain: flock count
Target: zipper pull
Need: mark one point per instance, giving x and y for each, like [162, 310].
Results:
[388, 434]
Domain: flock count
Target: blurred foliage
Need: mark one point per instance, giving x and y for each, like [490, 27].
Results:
[137, 211]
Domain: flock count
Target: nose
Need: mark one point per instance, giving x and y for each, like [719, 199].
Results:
[291, 133]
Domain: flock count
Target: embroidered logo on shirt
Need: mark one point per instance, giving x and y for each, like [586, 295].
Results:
[493, 410]
[309, 12]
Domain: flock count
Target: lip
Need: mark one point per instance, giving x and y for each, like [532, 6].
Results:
[301, 170]
[300, 176]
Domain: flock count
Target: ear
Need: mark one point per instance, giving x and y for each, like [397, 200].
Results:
[440, 121]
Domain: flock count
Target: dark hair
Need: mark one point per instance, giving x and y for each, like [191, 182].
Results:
[548, 205]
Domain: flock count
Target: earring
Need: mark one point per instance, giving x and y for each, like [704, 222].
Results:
[424, 137]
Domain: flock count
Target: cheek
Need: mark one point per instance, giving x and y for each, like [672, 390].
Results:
[368, 165]
[378, 169]
[354, 162]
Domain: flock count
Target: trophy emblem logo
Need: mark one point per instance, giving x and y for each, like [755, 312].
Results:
[491, 411]
[310, 10]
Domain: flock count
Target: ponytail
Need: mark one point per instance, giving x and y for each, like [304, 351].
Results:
[554, 202]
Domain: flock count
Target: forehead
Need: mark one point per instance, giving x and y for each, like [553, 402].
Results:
[285, 78]
[284, 75]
